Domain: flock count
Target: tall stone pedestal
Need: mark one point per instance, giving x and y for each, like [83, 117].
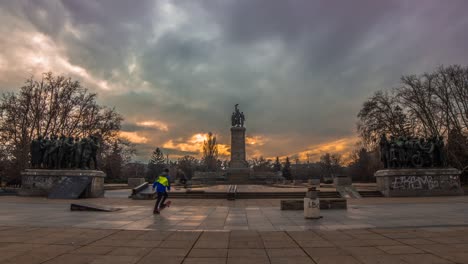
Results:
[238, 175]
[419, 182]
[62, 184]
[239, 171]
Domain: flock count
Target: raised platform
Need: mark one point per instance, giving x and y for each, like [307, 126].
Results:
[419, 182]
[62, 184]
[238, 175]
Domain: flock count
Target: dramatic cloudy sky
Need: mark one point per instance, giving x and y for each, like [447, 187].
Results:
[300, 70]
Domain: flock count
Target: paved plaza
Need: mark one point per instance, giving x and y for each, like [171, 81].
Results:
[99, 246]
[371, 230]
[246, 214]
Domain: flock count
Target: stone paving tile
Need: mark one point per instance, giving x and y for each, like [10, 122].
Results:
[210, 243]
[401, 235]
[304, 235]
[4, 255]
[319, 252]
[208, 253]
[363, 251]
[177, 244]
[205, 261]
[280, 244]
[92, 250]
[254, 253]
[456, 257]
[169, 252]
[258, 243]
[248, 260]
[215, 235]
[143, 243]
[72, 259]
[315, 244]
[115, 260]
[32, 258]
[149, 259]
[22, 247]
[336, 260]
[424, 258]
[366, 236]
[446, 240]
[189, 235]
[381, 242]
[292, 260]
[400, 249]
[285, 252]
[441, 249]
[110, 242]
[381, 259]
[352, 243]
[415, 241]
[129, 251]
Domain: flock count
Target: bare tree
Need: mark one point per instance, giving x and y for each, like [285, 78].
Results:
[330, 164]
[382, 114]
[427, 105]
[52, 105]
[210, 152]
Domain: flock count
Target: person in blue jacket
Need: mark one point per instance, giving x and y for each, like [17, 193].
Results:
[162, 185]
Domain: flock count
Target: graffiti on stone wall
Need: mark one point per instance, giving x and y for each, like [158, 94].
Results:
[425, 183]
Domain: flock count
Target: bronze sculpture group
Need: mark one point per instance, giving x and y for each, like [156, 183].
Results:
[64, 152]
[405, 152]
[237, 118]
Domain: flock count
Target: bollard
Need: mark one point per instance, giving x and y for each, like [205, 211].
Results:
[312, 204]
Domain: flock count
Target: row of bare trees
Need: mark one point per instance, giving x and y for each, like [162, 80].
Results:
[427, 105]
[53, 105]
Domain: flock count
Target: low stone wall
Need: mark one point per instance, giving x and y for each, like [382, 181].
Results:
[419, 182]
[41, 182]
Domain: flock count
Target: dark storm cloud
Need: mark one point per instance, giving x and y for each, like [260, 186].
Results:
[300, 70]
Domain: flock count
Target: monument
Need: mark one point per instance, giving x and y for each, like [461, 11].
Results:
[238, 171]
[61, 168]
[416, 167]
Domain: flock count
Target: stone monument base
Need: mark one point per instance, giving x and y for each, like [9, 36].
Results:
[62, 184]
[238, 175]
[202, 177]
[419, 182]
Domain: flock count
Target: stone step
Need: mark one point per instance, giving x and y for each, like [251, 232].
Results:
[325, 203]
[368, 194]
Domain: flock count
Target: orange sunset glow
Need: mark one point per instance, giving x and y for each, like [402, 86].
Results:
[174, 71]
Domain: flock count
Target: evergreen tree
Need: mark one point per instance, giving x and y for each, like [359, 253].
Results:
[287, 170]
[277, 165]
[156, 164]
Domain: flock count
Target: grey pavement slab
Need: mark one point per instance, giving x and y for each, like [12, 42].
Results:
[114, 246]
[260, 215]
